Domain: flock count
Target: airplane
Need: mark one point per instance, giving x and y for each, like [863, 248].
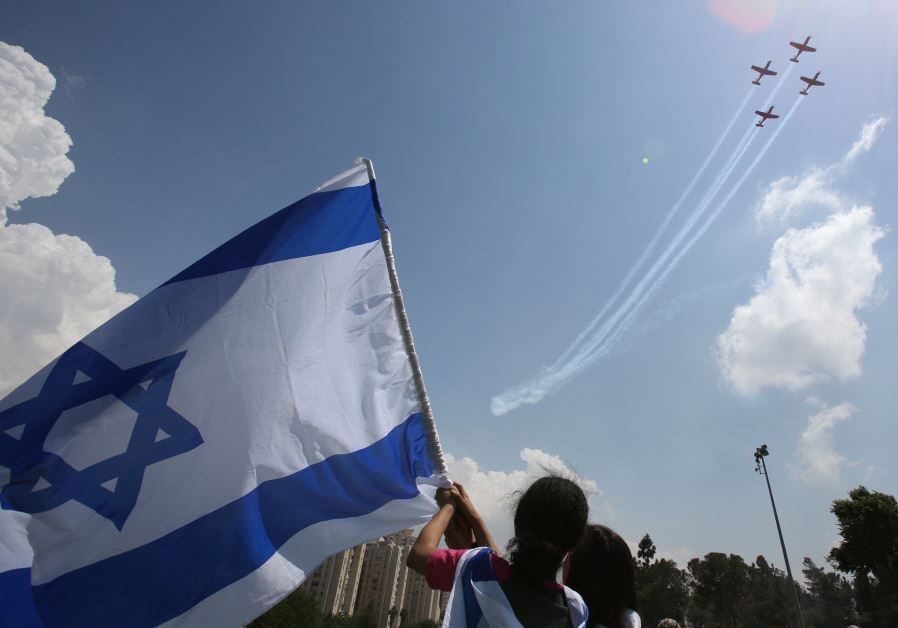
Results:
[811, 83]
[762, 72]
[801, 48]
[765, 116]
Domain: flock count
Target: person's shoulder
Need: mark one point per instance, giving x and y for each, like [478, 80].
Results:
[440, 569]
[631, 619]
[501, 567]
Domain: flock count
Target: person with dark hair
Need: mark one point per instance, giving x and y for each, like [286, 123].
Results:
[601, 569]
[488, 590]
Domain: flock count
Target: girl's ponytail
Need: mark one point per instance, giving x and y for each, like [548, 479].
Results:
[549, 521]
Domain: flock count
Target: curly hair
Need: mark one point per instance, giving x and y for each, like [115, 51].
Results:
[549, 520]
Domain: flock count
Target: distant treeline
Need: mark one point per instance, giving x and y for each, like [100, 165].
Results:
[722, 590]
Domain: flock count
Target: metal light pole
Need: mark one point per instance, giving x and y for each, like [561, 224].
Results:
[761, 453]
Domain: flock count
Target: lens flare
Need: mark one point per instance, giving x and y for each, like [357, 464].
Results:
[749, 16]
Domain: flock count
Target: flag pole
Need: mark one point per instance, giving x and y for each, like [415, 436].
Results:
[433, 439]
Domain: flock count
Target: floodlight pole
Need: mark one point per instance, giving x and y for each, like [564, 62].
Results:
[760, 454]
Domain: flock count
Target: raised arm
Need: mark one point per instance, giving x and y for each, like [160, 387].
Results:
[466, 507]
[430, 535]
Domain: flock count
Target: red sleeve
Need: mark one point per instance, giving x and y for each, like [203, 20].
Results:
[440, 569]
[500, 567]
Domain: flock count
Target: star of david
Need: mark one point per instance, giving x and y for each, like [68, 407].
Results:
[41, 480]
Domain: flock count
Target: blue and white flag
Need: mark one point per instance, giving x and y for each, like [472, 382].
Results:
[193, 459]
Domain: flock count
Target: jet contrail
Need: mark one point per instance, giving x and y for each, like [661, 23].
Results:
[625, 324]
[588, 349]
[590, 345]
[583, 353]
[578, 355]
[577, 347]
[597, 345]
[658, 233]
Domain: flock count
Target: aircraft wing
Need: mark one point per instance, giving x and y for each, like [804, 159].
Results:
[763, 71]
[802, 47]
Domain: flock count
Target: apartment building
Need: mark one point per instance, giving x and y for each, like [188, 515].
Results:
[334, 584]
[372, 578]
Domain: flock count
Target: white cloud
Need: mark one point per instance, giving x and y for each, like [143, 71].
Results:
[801, 326]
[869, 134]
[818, 462]
[789, 197]
[54, 288]
[494, 492]
[33, 147]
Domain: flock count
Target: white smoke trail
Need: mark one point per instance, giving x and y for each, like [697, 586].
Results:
[564, 357]
[597, 346]
[552, 377]
[577, 347]
[591, 345]
[628, 321]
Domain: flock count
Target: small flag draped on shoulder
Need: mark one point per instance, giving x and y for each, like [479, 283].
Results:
[191, 460]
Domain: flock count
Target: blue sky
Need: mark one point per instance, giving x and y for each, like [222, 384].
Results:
[509, 142]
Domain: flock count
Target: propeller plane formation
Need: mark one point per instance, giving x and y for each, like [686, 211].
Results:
[766, 71]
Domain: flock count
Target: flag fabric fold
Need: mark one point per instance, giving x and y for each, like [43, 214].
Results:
[194, 458]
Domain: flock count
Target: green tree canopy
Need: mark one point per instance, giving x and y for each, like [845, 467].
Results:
[868, 524]
[830, 598]
[661, 591]
[718, 582]
[297, 609]
[646, 551]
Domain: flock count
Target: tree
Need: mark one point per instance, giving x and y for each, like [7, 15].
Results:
[646, 551]
[830, 598]
[661, 591]
[364, 620]
[718, 582]
[768, 598]
[297, 609]
[868, 524]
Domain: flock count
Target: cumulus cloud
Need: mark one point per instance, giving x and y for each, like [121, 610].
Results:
[494, 492]
[789, 197]
[55, 288]
[801, 326]
[33, 146]
[818, 462]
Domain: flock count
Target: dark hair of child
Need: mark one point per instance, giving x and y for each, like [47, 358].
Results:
[602, 571]
[548, 523]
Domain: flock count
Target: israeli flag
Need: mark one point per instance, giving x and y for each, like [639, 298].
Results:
[190, 461]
